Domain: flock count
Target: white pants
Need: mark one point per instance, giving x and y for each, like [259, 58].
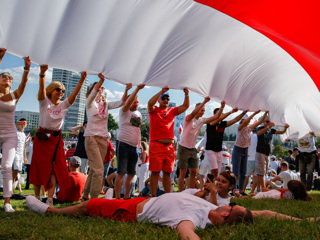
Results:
[212, 160]
[8, 145]
[143, 175]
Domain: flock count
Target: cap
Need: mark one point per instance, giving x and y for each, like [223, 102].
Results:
[165, 94]
[75, 161]
[273, 157]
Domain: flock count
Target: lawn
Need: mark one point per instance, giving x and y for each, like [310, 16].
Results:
[24, 224]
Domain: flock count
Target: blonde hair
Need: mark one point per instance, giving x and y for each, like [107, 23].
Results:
[52, 86]
[144, 145]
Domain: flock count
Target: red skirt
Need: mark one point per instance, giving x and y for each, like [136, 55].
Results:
[42, 162]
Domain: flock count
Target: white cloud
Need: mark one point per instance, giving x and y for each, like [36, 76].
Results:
[17, 73]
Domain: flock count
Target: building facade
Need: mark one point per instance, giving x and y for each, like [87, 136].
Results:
[76, 113]
[32, 119]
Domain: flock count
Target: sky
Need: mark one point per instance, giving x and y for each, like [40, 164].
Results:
[28, 102]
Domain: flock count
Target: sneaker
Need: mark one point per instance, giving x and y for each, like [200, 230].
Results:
[109, 193]
[49, 202]
[36, 206]
[8, 208]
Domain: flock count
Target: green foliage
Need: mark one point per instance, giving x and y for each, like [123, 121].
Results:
[65, 135]
[33, 131]
[112, 124]
[317, 143]
[279, 152]
[24, 224]
[145, 128]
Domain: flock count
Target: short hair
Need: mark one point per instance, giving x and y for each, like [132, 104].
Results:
[52, 86]
[290, 151]
[298, 190]
[22, 119]
[73, 145]
[229, 176]
[216, 110]
[144, 139]
[238, 216]
[296, 149]
[284, 164]
[291, 167]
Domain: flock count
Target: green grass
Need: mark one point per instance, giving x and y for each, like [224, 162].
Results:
[24, 224]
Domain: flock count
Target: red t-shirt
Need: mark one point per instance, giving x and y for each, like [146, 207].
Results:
[162, 123]
[73, 193]
[108, 155]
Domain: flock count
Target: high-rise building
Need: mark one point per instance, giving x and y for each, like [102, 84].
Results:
[32, 119]
[144, 114]
[75, 114]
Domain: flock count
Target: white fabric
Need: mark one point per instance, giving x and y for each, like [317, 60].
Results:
[307, 144]
[286, 176]
[252, 148]
[191, 131]
[270, 194]
[30, 151]
[21, 143]
[52, 116]
[273, 165]
[129, 127]
[221, 201]
[177, 43]
[171, 208]
[98, 115]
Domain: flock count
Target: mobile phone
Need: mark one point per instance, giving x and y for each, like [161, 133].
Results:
[210, 176]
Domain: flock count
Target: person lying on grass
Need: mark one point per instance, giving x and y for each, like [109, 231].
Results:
[218, 192]
[296, 190]
[185, 212]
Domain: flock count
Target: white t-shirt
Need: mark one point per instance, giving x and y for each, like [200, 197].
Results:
[286, 176]
[172, 208]
[269, 194]
[129, 127]
[29, 150]
[252, 148]
[98, 115]
[307, 144]
[52, 116]
[21, 143]
[221, 201]
[191, 131]
[273, 165]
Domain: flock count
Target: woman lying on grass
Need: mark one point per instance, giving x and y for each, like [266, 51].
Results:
[296, 190]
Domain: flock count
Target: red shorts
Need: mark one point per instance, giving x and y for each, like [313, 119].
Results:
[162, 157]
[116, 209]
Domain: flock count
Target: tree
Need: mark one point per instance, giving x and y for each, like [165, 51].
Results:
[145, 128]
[33, 131]
[65, 135]
[112, 124]
[279, 152]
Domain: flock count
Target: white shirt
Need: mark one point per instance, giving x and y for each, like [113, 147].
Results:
[129, 127]
[221, 201]
[52, 116]
[21, 143]
[252, 148]
[29, 150]
[273, 165]
[7, 126]
[98, 115]
[191, 131]
[286, 176]
[307, 144]
[171, 208]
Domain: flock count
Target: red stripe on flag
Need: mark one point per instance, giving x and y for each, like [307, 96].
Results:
[293, 25]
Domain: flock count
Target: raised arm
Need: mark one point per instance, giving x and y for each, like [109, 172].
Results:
[116, 104]
[284, 130]
[253, 126]
[74, 94]
[218, 114]
[75, 130]
[197, 109]
[17, 93]
[247, 121]
[186, 230]
[236, 119]
[155, 98]
[2, 53]
[131, 98]
[186, 102]
[42, 84]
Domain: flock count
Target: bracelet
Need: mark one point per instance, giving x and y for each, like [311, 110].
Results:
[26, 69]
[42, 75]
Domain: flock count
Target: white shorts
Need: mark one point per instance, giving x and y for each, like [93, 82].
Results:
[212, 160]
[17, 162]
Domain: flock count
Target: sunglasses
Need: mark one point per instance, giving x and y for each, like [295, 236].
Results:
[267, 121]
[165, 98]
[231, 204]
[60, 90]
[7, 76]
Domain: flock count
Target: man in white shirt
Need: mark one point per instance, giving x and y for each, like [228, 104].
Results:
[29, 151]
[285, 176]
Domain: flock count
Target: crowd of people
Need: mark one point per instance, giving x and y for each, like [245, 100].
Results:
[84, 171]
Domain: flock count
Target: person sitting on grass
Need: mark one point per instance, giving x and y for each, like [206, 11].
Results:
[218, 192]
[296, 190]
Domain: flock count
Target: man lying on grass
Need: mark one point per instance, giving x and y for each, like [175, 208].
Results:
[182, 212]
